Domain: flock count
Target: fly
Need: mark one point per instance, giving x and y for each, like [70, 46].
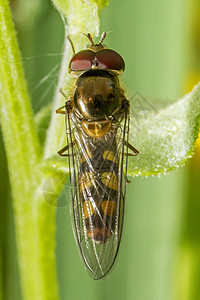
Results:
[97, 121]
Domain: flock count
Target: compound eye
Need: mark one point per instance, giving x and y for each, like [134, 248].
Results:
[109, 59]
[82, 61]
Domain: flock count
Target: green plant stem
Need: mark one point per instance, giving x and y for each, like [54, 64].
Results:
[34, 218]
[1, 277]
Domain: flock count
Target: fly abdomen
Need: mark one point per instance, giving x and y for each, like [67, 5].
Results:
[99, 192]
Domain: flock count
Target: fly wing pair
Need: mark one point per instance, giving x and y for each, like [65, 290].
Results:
[98, 168]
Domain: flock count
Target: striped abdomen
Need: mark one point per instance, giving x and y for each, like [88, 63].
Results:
[99, 190]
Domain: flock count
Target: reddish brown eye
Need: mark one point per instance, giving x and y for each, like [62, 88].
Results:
[82, 61]
[109, 59]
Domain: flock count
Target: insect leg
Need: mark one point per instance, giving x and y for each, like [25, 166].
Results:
[135, 151]
[60, 110]
[67, 105]
[60, 152]
[66, 148]
[129, 146]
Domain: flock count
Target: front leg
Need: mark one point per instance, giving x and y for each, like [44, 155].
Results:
[67, 107]
[60, 110]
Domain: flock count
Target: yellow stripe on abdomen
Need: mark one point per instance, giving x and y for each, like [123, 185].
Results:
[109, 179]
[87, 180]
[110, 155]
[88, 209]
[109, 207]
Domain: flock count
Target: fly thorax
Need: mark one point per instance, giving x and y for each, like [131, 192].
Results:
[96, 95]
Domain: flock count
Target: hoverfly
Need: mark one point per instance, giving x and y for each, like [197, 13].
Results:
[97, 121]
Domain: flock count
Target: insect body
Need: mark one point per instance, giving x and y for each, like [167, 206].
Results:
[97, 118]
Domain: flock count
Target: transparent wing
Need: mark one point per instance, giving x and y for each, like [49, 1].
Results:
[98, 179]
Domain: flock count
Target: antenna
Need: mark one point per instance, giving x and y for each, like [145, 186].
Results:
[90, 38]
[103, 36]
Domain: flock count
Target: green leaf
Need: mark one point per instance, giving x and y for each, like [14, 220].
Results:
[81, 16]
[165, 137]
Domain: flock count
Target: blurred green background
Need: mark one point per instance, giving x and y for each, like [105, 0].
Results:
[159, 256]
